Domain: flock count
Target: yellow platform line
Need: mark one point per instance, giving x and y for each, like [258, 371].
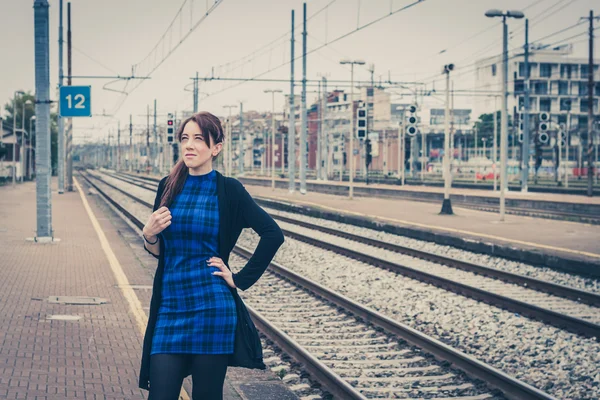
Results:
[433, 227]
[135, 306]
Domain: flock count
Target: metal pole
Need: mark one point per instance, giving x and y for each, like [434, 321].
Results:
[273, 141]
[303, 127]
[118, 145]
[324, 134]
[283, 141]
[196, 93]
[155, 152]
[130, 144]
[504, 120]
[447, 205]
[22, 147]
[495, 145]
[241, 157]
[241, 130]
[14, 148]
[42, 107]
[567, 148]
[590, 138]
[147, 138]
[292, 127]
[525, 146]
[61, 121]
[319, 134]
[352, 132]
[423, 151]
[30, 158]
[69, 133]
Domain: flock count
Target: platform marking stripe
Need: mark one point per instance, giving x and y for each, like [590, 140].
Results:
[135, 306]
[543, 246]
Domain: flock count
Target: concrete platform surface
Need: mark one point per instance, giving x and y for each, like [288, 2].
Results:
[553, 197]
[56, 350]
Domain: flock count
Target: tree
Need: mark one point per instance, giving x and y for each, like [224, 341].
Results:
[485, 127]
[29, 112]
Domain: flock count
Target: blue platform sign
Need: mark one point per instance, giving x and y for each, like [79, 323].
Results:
[75, 101]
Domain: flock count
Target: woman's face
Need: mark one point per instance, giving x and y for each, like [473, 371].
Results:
[193, 149]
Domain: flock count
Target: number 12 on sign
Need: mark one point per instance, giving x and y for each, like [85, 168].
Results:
[75, 101]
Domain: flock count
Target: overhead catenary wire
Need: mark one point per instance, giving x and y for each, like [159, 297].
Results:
[413, 3]
[280, 40]
[535, 20]
[155, 65]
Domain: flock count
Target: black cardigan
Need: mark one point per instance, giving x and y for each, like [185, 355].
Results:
[237, 210]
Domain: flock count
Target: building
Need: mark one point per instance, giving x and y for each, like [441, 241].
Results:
[7, 141]
[558, 85]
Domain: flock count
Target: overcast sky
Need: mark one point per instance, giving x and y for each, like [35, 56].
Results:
[110, 36]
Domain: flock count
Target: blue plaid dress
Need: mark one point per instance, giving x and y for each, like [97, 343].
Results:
[197, 314]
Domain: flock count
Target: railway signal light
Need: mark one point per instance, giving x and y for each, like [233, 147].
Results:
[411, 121]
[170, 128]
[543, 127]
[361, 121]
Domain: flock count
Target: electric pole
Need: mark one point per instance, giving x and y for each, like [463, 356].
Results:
[155, 152]
[303, 161]
[241, 139]
[590, 138]
[292, 127]
[118, 145]
[525, 111]
[69, 138]
[147, 137]
[61, 121]
[42, 111]
[272, 91]
[130, 144]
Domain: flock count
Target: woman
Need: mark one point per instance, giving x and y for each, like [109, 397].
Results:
[197, 219]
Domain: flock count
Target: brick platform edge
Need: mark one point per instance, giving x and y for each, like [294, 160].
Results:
[544, 259]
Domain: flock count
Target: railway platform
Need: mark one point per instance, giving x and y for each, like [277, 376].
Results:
[74, 310]
[563, 245]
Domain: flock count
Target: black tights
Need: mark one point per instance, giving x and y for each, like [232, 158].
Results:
[167, 372]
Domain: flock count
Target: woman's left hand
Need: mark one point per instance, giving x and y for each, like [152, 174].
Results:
[224, 272]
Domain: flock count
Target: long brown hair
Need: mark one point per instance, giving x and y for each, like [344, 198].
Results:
[211, 127]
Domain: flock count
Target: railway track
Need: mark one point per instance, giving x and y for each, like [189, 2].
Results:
[355, 352]
[457, 200]
[561, 306]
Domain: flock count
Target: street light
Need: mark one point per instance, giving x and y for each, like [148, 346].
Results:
[29, 174]
[273, 91]
[447, 205]
[352, 127]
[504, 120]
[483, 141]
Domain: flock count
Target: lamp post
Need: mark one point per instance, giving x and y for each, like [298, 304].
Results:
[483, 141]
[273, 91]
[29, 174]
[352, 124]
[447, 205]
[504, 117]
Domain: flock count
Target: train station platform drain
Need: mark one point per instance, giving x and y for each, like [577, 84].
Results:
[64, 317]
[77, 300]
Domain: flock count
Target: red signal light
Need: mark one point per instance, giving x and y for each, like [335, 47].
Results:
[169, 122]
